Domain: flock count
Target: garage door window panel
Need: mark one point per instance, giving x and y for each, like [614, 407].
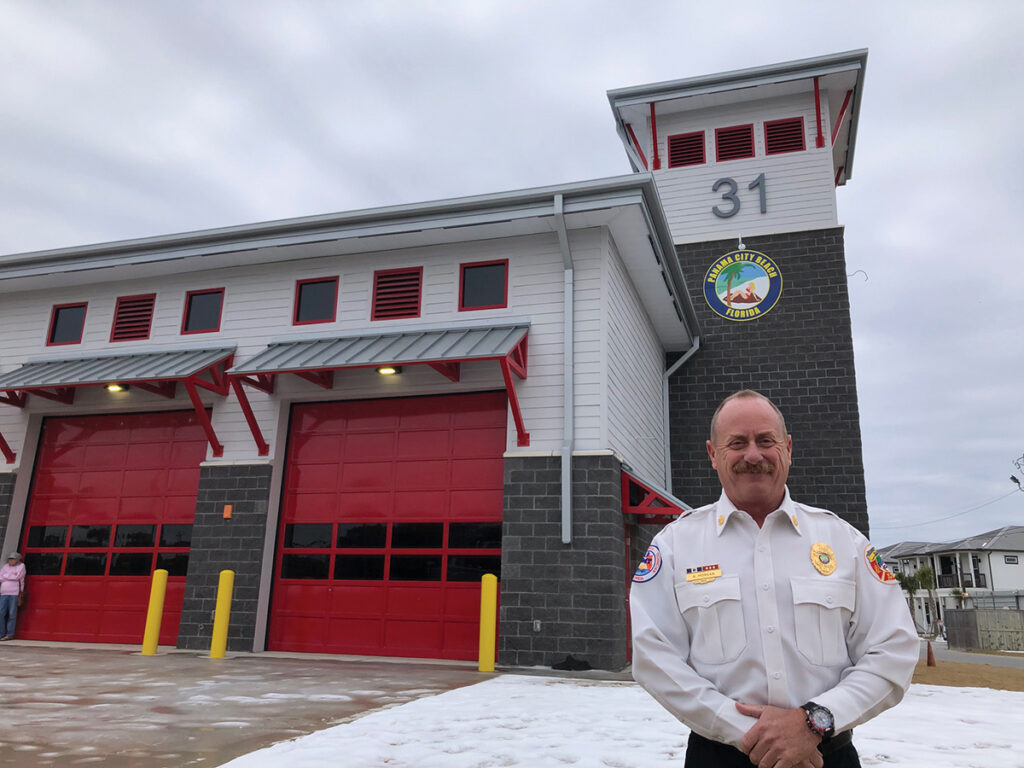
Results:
[90, 536]
[47, 536]
[473, 567]
[307, 535]
[354, 567]
[474, 536]
[86, 564]
[362, 535]
[131, 564]
[44, 563]
[175, 563]
[135, 536]
[304, 566]
[417, 535]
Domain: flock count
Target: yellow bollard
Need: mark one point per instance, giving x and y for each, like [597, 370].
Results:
[222, 615]
[155, 613]
[488, 620]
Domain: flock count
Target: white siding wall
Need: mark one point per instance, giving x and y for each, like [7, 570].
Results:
[1004, 576]
[636, 361]
[258, 309]
[800, 187]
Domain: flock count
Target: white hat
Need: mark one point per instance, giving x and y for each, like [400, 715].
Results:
[14, 556]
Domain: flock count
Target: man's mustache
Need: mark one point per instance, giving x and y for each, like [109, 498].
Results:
[746, 468]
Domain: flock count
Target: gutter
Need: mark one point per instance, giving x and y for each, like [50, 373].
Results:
[568, 380]
[664, 407]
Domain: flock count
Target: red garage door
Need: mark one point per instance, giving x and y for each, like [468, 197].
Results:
[391, 514]
[113, 497]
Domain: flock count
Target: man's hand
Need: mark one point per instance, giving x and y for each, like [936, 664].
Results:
[780, 738]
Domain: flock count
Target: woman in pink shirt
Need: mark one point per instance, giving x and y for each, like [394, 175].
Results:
[12, 585]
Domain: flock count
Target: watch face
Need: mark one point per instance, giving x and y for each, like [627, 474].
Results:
[822, 719]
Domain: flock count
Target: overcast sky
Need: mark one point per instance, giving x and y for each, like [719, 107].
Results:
[129, 119]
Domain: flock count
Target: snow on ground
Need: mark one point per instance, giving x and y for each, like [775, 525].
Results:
[546, 722]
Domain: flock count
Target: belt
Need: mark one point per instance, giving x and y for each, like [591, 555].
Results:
[836, 743]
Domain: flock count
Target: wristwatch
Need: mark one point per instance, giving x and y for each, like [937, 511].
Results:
[819, 720]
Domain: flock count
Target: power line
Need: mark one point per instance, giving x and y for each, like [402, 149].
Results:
[940, 519]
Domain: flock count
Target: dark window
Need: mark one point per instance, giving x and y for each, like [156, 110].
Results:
[131, 564]
[474, 536]
[362, 535]
[316, 301]
[415, 567]
[175, 563]
[686, 149]
[90, 536]
[1010, 559]
[86, 564]
[176, 535]
[305, 566]
[484, 286]
[47, 535]
[202, 311]
[473, 567]
[417, 535]
[309, 535]
[135, 536]
[396, 293]
[784, 136]
[43, 563]
[133, 318]
[734, 143]
[66, 324]
[359, 567]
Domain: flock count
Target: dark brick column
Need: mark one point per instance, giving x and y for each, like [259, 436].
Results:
[800, 355]
[219, 544]
[6, 494]
[576, 591]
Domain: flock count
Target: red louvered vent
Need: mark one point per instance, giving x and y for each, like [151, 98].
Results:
[396, 293]
[784, 136]
[686, 149]
[133, 318]
[734, 143]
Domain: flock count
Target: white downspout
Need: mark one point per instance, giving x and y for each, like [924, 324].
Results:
[664, 408]
[568, 380]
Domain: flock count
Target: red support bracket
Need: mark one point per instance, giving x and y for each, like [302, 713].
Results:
[13, 397]
[513, 401]
[654, 139]
[819, 141]
[517, 358]
[164, 388]
[639, 151]
[250, 417]
[204, 417]
[451, 371]
[218, 377]
[653, 507]
[839, 172]
[323, 379]
[64, 395]
[841, 117]
[5, 449]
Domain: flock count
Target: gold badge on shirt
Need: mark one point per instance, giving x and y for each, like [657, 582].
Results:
[703, 574]
[823, 558]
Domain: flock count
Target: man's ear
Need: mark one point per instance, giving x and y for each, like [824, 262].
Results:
[711, 454]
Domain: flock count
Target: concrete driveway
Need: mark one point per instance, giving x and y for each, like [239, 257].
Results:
[79, 705]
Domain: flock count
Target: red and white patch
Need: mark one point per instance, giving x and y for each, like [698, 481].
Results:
[877, 566]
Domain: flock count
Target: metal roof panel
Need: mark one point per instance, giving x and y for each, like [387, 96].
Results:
[146, 366]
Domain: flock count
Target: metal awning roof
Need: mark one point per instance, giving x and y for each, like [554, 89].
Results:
[443, 349]
[391, 348]
[158, 373]
[83, 371]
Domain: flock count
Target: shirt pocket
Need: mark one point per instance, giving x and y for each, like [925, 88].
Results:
[822, 609]
[714, 615]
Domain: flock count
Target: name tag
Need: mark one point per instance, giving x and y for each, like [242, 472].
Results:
[703, 574]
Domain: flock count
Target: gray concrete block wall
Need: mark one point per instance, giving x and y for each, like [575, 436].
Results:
[6, 494]
[577, 591]
[219, 544]
[800, 354]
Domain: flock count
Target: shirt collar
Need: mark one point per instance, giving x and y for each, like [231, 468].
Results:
[725, 509]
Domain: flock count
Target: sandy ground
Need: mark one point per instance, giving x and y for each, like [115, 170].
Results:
[970, 675]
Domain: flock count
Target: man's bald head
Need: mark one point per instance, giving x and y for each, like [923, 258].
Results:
[745, 393]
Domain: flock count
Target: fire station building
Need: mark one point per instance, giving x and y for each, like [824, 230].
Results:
[362, 413]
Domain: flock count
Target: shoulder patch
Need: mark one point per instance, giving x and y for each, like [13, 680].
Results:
[877, 566]
[649, 566]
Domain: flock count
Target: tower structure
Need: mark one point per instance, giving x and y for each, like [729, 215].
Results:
[747, 164]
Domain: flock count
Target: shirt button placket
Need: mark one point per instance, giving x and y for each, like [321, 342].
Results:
[768, 615]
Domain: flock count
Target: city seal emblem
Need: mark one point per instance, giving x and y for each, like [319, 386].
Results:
[649, 566]
[742, 285]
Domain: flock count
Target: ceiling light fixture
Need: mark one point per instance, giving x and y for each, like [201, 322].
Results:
[389, 370]
[115, 387]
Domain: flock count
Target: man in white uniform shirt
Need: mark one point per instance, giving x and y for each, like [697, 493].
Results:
[769, 627]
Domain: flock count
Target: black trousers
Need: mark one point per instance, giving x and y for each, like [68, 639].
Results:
[704, 753]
